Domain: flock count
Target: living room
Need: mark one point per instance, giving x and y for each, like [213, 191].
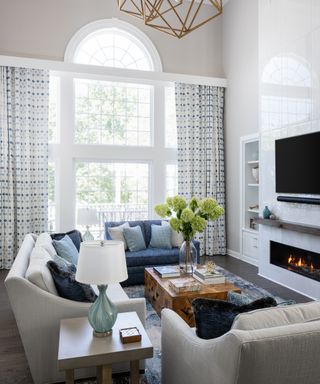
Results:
[187, 131]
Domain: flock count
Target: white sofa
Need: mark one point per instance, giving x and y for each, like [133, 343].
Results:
[38, 314]
[268, 346]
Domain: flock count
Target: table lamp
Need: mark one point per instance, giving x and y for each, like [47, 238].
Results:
[102, 263]
[87, 217]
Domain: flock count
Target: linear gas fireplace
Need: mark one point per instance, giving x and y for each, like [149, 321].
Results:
[294, 259]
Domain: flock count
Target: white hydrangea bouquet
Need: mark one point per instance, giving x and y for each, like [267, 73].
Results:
[189, 218]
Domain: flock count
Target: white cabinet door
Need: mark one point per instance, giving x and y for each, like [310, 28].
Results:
[250, 245]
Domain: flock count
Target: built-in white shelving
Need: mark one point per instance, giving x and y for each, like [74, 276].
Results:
[249, 162]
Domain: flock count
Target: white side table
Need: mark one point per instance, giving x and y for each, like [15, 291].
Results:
[78, 348]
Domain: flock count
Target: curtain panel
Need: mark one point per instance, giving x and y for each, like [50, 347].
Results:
[24, 101]
[200, 131]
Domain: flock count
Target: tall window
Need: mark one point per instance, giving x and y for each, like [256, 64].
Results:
[171, 180]
[51, 197]
[112, 113]
[113, 148]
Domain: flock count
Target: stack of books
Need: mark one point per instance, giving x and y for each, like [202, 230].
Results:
[167, 271]
[187, 284]
[205, 277]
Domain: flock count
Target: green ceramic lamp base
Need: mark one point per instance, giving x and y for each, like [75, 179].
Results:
[102, 314]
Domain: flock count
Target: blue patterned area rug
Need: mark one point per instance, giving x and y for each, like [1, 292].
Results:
[152, 373]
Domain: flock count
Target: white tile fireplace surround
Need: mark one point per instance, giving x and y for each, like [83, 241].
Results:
[280, 275]
[289, 87]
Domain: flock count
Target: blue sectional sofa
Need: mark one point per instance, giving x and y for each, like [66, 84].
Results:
[138, 261]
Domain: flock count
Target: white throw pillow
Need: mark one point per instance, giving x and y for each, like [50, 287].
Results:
[44, 240]
[176, 238]
[38, 273]
[116, 233]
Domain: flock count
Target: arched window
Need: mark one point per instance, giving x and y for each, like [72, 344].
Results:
[113, 43]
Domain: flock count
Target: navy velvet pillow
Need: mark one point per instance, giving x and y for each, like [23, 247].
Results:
[214, 318]
[74, 235]
[66, 284]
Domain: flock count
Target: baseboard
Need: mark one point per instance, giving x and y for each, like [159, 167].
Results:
[286, 286]
[234, 254]
[246, 259]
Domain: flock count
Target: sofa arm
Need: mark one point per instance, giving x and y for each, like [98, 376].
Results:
[187, 359]
[133, 305]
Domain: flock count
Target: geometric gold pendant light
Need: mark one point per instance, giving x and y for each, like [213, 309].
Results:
[175, 17]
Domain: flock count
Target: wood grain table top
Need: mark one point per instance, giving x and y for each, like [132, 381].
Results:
[79, 348]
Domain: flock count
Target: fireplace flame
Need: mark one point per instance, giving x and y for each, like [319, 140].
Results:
[300, 262]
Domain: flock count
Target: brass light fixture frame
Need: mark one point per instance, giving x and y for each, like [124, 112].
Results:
[155, 12]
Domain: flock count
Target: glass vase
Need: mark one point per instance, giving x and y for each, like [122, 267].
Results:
[187, 258]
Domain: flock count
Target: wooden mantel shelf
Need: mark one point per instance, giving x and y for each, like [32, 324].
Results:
[303, 228]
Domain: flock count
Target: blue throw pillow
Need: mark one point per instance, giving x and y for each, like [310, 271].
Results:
[74, 235]
[160, 236]
[214, 318]
[66, 249]
[62, 263]
[66, 284]
[134, 238]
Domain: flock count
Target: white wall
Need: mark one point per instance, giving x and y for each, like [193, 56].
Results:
[289, 36]
[240, 62]
[42, 29]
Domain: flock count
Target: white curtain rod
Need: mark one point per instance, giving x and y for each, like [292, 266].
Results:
[60, 66]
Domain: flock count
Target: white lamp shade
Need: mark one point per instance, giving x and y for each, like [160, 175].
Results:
[101, 262]
[87, 216]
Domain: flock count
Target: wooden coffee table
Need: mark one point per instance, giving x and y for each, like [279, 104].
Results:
[160, 295]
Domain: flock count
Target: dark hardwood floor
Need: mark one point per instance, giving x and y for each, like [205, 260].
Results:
[13, 364]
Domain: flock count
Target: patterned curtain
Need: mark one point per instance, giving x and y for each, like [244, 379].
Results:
[200, 132]
[24, 98]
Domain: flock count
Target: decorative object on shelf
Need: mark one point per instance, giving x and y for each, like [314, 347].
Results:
[87, 217]
[255, 174]
[266, 213]
[189, 219]
[273, 217]
[253, 224]
[176, 18]
[102, 263]
[254, 206]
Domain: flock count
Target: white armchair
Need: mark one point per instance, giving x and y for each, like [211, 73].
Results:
[38, 314]
[278, 354]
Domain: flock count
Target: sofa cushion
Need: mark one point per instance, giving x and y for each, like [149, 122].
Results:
[74, 235]
[38, 272]
[147, 229]
[215, 317]
[116, 233]
[134, 238]
[176, 238]
[160, 237]
[152, 256]
[62, 263]
[66, 249]
[44, 240]
[67, 286]
[280, 316]
[112, 224]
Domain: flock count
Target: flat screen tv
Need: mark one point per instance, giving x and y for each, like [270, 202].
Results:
[297, 164]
